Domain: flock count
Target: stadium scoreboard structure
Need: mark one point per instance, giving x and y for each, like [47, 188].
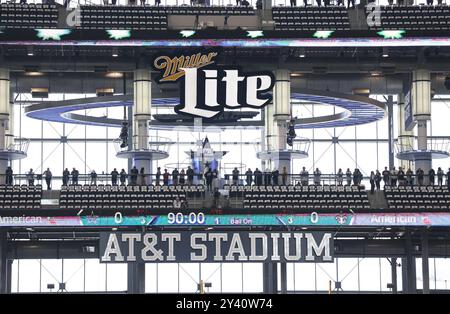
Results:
[210, 83]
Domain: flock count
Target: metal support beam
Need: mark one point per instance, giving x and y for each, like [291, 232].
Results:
[390, 109]
[270, 278]
[283, 278]
[5, 271]
[136, 278]
[409, 267]
[425, 266]
[393, 262]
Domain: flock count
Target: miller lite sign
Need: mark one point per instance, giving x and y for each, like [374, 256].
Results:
[206, 90]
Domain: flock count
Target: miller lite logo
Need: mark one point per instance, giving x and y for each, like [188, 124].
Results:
[205, 91]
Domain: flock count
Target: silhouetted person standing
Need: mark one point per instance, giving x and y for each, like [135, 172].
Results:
[65, 177]
[409, 177]
[317, 175]
[208, 179]
[258, 177]
[158, 175]
[30, 177]
[348, 175]
[75, 174]
[93, 177]
[372, 182]
[420, 174]
[377, 179]
[284, 176]
[9, 176]
[235, 176]
[386, 174]
[249, 176]
[133, 175]
[304, 177]
[275, 175]
[182, 179]
[394, 176]
[48, 178]
[142, 180]
[440, 175]
[431, 175]
[340, 176]
[448, 179]
[165, 177]
[114, 176]
[175, 177]
[190, 175]
[123, 177]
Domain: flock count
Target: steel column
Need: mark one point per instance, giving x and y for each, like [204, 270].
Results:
[393, 262]
[409, 267]
[283, 278]
[425, 266]
[390, 110]
[136, 278]
[270, 278]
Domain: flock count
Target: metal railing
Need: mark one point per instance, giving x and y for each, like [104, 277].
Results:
[16, 144]
[410, 144]
[154, 143]
[301, 144]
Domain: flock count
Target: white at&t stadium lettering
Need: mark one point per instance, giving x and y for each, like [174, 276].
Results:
[206, 92]
[216, 247]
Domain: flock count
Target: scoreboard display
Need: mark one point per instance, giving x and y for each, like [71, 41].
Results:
[201, 219]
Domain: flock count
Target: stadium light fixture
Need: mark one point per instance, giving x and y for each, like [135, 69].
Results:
[114, 75]
[187, 33]
[52, 34]
[323, 34]
[30, 51]
[115, 52]
[34, 73]
[118, 34]
[391, 34]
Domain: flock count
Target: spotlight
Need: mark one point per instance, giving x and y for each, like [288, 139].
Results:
[115, 52]
[385, 52]
[30, 51]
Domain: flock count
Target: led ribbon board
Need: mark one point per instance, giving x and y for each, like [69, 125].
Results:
[183, 220]
[210, 247]
[206, 89]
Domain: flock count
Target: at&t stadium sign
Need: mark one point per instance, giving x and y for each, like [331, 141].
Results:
[185, 247]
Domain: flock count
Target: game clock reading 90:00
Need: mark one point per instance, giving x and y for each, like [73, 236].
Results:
[186, 219]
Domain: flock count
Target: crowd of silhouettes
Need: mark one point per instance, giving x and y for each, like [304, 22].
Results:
[210, 177]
